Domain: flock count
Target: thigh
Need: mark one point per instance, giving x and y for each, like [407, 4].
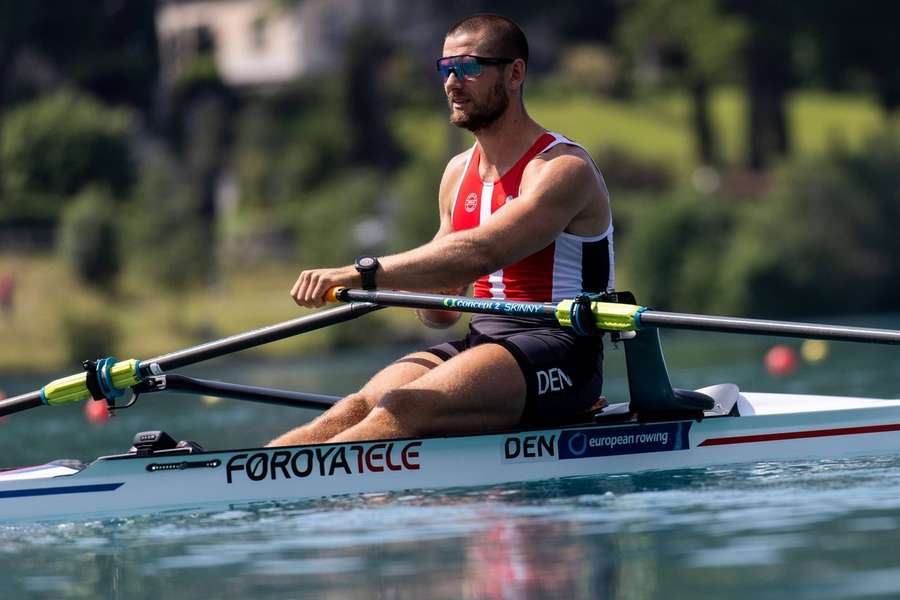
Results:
[408, 369]
[480, 389]
[397, 374]
[563, 373]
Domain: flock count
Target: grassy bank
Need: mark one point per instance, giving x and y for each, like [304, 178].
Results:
[658, 127]
[144, 321]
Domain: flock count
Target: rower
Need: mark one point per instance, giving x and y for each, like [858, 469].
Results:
[524, 214]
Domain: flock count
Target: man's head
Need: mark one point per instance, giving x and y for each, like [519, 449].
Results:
[483, 65]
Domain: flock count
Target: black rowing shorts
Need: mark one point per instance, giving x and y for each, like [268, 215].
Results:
[563, 371]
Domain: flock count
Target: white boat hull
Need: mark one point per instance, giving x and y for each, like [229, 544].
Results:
[772, 427]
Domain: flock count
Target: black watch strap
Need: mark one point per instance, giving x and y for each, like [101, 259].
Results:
[367, 266]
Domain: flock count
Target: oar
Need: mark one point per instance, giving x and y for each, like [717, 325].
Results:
[113, 378]
[610, 316]
[194, 385]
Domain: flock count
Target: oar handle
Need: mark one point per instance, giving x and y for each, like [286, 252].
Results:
[334, 294]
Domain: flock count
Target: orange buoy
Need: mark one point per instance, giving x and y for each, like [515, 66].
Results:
[95, 411]
[781, 360]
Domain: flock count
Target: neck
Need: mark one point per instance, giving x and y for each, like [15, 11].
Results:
[504, 142]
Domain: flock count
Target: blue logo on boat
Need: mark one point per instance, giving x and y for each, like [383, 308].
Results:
[631, 439]
[577, 444]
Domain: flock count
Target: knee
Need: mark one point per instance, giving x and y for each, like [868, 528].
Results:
[356, 405]
[399, 401]
[408, 410]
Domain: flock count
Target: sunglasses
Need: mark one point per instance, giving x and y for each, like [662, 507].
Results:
[466, 66]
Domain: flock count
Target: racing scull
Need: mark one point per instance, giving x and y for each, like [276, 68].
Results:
[660, 428]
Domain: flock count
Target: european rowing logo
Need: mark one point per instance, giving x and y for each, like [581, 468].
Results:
[629, 439]
[471, 202]
[578, 444]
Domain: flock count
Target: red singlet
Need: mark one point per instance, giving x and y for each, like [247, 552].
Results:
[570, 265]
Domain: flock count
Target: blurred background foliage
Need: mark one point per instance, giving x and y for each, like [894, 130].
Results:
[751, 148]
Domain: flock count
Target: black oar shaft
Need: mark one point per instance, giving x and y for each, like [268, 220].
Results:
[234, 343]
[647, 318]
[258, 337]
[265, 395]
[486, 306]
[20, 403]
[846, 333]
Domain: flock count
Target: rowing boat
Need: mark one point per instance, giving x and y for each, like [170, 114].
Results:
[815, 427]
[659, 428]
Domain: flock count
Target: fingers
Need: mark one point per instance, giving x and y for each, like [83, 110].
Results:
[296, 288]
[311, 286]
[304, 291]
[318, 288]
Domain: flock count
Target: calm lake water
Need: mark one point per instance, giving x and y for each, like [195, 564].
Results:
[824, 529]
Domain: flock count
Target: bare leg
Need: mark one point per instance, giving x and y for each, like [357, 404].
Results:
[480, 389]
[354, 408]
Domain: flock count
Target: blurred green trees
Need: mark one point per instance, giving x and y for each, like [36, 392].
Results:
[54, 146]
[822, 241]
[316, 171]
[88, 237]
[161, 236]
[693, 44]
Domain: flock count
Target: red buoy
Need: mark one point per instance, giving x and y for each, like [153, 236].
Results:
[95, 411]
[781, 360]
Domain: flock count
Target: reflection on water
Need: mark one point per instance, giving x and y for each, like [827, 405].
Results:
[518, 558]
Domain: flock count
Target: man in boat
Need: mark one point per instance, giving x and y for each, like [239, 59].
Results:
[524, 214]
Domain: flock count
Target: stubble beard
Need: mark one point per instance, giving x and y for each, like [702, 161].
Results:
[482, 115]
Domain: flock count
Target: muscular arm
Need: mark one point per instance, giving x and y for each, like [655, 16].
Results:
[441, 319]
[550, 199]
[543, 210]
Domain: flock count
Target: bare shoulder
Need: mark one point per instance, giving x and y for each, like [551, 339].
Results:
[568, 175]
[456, 165]
[453, 174]
[566, 165]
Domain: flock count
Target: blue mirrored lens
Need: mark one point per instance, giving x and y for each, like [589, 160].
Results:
[470, 67]
[464, 67]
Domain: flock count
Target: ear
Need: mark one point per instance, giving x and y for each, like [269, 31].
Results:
[515, 73]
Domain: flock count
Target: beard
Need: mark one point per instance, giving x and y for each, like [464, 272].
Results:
[482, 114]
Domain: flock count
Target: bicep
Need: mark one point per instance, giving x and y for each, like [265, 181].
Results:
[543, 211]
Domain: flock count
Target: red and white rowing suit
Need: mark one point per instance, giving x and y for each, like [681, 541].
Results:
[563, 372]
[570, 265]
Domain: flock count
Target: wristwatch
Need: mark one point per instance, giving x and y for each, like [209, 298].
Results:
[366, 266]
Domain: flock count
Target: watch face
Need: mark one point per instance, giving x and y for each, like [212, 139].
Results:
[366, 262]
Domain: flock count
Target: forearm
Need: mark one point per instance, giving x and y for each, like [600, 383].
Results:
[447, 263]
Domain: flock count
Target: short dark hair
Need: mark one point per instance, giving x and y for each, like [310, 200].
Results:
[504, 38]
